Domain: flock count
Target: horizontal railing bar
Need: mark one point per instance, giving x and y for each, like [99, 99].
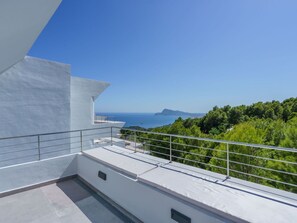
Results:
[17, 158]
[264, 178]
[162, 147]
[186, 149]
[168, 135]
[98, 133]
[73, 148]
[263, 168]
[198, 154]
[159, 153]
[264, 158]
[70, 143]
[198, 147]
[157, 140]
[15, 145]
[215, 140]
[43, 153]
[17, 151]
[50, 140]
[54, 151]
[54, 133]
[141, 131]
[117, 137]
[195, 161]
[250, 145]
[184, 145]
[177, 144]
[124, 136]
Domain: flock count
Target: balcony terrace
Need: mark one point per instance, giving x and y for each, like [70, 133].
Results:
[95, 178]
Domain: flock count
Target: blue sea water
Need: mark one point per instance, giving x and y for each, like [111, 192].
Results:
[145, 120]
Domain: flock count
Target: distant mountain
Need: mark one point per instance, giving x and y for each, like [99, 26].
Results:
[179, 113]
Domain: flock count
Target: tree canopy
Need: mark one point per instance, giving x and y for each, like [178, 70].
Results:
[270, 123]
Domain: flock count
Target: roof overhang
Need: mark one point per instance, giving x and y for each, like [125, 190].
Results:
[21, 22]
[90, 88]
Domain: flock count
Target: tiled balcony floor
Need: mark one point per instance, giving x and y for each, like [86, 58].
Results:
[67, 201]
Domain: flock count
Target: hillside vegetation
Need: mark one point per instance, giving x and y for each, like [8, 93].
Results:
[271, 123]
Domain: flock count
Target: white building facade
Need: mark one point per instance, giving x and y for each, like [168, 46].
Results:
[39, 96]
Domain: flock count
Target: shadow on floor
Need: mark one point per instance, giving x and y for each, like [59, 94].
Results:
[96, 208]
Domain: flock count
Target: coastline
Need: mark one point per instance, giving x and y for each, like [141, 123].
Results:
[142, 120]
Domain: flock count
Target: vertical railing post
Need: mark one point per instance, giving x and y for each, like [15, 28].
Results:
[228, 164]
[170, 141]
[135, 141]
[81, 141]
[111, 135]
[38, 141]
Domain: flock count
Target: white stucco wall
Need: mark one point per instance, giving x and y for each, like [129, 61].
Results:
[35, 98]
[34, 173]
[83, 94]
[39, 96]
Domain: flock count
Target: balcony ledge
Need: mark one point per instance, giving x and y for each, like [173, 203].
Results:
[236, 200]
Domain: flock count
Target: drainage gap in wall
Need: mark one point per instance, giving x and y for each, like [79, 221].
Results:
[179, 217]
[102, 175]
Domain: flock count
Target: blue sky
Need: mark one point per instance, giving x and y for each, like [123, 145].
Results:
[181, 54]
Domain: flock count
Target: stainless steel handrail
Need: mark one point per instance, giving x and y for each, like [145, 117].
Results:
[216, 140]
[54, 133]
[25, 148]
[168, 147]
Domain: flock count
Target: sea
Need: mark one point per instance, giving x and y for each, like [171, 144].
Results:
[144, 120]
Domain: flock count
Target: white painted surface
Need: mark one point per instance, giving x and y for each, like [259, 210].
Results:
[120, 162]
[35, 98]
[21, 21]
[139, 155]
[143, 201]
[39, 96]
[106, 141]
[155, 191]
[24, 175]
[83, 94]
[222, 199]
[209, 192]
[246, 186]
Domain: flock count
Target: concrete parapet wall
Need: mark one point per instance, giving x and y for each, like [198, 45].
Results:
[145, 202]
[29, 174]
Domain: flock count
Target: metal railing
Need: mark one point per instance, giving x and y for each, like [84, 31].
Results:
[268, 165]
[101, 118]
[104, 119]
[262, 164]
[27, 148]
